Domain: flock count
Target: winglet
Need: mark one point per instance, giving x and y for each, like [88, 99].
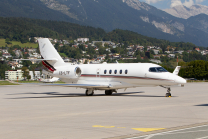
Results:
[176, 71]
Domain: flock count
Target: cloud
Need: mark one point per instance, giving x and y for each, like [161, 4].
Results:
[152, 1]
[175, 3]
[187, 3]
[199, 1]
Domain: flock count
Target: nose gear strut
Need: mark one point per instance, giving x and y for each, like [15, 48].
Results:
[168, 94]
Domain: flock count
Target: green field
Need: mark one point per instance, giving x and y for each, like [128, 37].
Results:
[6, 83]
[28, 44]
[58, 82]
[28, 81]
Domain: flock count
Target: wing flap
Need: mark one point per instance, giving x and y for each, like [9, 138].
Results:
[111, 85]
[81, 85]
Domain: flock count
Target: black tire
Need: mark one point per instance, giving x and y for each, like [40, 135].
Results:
[168, 95]
[108, 92]
[87, 94]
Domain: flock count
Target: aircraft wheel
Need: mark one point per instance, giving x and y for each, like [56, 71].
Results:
[168, 95]
[87, 93]
[108, 92]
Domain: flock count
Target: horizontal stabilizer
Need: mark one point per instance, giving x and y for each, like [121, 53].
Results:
[51, 59]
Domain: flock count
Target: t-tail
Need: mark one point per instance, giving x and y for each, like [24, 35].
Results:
[50, 56]
[177, 69]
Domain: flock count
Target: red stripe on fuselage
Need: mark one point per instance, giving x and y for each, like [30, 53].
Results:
[128, 77]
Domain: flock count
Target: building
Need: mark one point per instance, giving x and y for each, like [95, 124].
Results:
[156, 61]
[35, 75]
[18, 74]
[6, 55]
[103, 43]
[171, 55]
[197, 49]
[156, 51]
[14, 75]
[83, 39]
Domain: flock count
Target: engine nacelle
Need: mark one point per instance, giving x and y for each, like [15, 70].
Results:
[73, 72]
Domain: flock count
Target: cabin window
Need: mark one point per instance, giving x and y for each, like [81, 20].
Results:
[110, 71]
[126, 71]
[120, 71]
[105, 71]
[115, 71]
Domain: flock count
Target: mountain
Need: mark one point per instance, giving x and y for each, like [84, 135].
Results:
[31, 9]
[130, 15]
[199, 22]
[185, 12]
[21, 29]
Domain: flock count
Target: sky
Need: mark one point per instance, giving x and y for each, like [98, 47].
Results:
[166, 4]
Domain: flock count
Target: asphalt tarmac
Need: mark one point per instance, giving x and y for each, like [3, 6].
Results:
[54, 112]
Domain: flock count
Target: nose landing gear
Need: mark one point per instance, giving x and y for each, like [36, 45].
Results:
[168, 94]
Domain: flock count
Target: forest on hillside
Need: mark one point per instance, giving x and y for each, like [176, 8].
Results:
[21, 29]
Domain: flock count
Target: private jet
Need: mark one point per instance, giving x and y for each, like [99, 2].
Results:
[107, 77]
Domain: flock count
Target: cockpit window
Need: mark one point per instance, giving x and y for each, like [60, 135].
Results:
[161, 69]
[157, 69]
[152, 70]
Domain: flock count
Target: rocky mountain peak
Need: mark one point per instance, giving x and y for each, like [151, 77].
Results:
[137, 4]
[185, 12]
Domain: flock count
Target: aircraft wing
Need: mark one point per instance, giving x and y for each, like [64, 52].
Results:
[110, 85]
[80, 85]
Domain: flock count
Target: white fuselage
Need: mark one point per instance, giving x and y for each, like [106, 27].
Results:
[117, 75]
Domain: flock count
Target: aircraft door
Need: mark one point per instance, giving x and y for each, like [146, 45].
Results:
[98, 73]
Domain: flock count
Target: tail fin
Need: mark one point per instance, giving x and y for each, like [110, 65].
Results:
[51, 57]
[176, 71]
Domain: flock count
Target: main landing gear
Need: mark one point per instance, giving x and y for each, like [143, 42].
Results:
[109, 92]
[168, 94]
[89, 92]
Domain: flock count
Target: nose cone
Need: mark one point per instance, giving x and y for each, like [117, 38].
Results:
[180, 80]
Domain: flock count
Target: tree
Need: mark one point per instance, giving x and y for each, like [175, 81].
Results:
[25, 73]
[163, 47]
[32, 40]
[28, 77]
[3, 67]
[101, 50]
[7, 40]
[98, 44]
[26, 63]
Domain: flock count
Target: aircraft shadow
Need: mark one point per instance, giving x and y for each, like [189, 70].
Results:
[58, 95]
[202, 105]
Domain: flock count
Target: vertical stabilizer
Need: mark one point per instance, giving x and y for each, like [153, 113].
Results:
[176, 71]
[49, 53]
